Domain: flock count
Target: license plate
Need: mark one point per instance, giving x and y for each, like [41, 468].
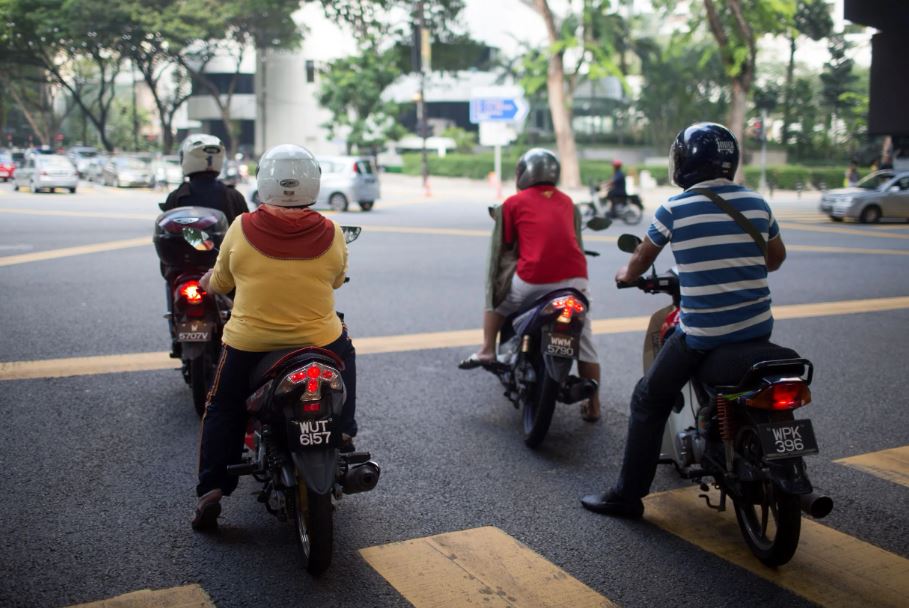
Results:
[313, 433]
[787, 439]
[561, 345]
[194, 331]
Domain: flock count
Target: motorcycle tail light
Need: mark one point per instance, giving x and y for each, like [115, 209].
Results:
[568, 307]
[192, 292]
[313, 375]
[781, 396]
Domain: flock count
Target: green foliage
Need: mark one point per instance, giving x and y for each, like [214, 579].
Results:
[465, 141]
[352, 91]
[838, 79]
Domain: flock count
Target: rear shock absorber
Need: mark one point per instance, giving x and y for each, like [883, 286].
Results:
[727, 431]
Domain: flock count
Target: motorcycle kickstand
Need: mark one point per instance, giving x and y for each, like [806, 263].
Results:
[721, 506]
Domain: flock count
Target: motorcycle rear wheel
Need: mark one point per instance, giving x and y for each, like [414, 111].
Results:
[770, 520]
[537, 408]
[200, 377]
[311, 514]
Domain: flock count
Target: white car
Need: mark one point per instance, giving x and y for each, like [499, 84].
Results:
[46, 172]
[345, 180]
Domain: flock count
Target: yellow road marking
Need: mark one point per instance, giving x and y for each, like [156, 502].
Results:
[187, 596]
[86, 214]
[830, 568]
[892, 465]
[135, 362]
[482, 567]
[53, 254]
[840, 230]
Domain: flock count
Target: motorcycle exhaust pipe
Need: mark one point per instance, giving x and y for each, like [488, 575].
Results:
[816, 505]
[361, 478]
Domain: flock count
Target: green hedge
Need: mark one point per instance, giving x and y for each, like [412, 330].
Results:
[480, 165]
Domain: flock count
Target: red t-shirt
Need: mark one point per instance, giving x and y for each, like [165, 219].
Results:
[542, 220]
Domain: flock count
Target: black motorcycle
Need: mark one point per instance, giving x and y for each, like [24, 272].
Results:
[196, 317]
[738, 429]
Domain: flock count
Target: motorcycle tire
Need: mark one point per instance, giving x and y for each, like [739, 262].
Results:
[537, 408]
[770, 520]
[200, 376]
[632, 215]
[311, 515]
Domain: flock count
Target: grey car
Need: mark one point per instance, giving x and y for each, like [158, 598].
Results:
[880, 195]
[46, 172]
[345, 180]
[126, 171]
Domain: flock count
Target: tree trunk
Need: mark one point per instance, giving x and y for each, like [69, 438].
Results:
[560, 105]
[737, 109]
[787, 93]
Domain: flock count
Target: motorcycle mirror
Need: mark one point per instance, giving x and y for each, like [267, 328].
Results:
[351, 233]
[628, 243]
[198, 239]
[599, 223]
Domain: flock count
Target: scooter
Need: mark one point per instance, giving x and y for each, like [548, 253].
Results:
[630, 210]
[734, 423]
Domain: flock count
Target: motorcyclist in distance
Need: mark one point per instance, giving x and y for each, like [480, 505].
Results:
[285, 261]
[542, 223]
[725, 296]
[614, 191]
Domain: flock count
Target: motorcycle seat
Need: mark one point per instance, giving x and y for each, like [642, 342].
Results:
[729, 365]
[518, 322]
[272, 363]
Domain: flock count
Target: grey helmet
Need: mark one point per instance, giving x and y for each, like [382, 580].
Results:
[537, 166]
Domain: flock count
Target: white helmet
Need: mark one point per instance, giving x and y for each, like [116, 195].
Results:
[288, 176]
[201, 153]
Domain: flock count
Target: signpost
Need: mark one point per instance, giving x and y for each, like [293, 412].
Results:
[498, 111]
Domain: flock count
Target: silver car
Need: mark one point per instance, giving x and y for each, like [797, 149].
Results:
[166, 171]
[46, 172]
[126, 171]
[345, 180]
[880, 195]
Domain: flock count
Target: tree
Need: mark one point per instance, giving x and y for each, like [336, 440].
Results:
[837, 80]
[736, 26]
[352, 89]
[35, 99]
[812, 19]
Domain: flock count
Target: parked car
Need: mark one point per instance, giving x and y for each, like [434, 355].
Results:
[166, 171]
[345, 180]
[126, 171]
[95, 168]
[46, 172]
[880, 195]
[7, 166]
[81, 157]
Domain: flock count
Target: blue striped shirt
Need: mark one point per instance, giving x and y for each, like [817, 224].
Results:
[723, 275]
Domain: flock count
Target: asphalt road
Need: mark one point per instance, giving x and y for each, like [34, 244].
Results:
[98, 471]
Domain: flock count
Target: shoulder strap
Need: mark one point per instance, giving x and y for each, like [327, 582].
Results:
[736, 215]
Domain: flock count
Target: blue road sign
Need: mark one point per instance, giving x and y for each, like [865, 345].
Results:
[497, 109]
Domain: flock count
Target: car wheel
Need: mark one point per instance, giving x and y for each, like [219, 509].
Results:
[836, 219]
[72, 190]
[366, 205]
[870, 215]
[338, 202]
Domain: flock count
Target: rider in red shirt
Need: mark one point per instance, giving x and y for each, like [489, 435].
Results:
[541, 221]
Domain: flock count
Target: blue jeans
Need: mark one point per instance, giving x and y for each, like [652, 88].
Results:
[651, 404]
[224, 424]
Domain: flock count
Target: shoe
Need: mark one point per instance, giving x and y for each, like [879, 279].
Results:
[347, 444]
[610, 503]
[207, 511]
[589, 411]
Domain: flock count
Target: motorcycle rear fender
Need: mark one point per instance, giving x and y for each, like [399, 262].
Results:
[318, 467]
[191, 350]
[557, 368]
[790, 476]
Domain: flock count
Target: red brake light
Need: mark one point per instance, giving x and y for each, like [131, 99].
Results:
[781, 396]
[312, 385]
[192, 292]
[569, 305]
[315, 406]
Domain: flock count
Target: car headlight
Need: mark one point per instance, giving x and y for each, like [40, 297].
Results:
[843, 203]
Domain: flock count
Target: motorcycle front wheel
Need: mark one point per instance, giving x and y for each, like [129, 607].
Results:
[770, 519]
[632, 214]
[538, 405]
[311, 514]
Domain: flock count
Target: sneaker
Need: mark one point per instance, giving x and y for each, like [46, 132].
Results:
[611, 503]
[347, 444]
[207, 511]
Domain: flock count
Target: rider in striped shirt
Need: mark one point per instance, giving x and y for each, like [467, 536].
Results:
[725, 295]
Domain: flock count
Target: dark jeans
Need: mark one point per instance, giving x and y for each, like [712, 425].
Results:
[224, 423]
[651, 404]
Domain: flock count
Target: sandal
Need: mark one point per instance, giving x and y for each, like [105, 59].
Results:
[207, 511]
[589, 411]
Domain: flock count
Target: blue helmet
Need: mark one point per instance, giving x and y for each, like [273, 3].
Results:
[703, 151]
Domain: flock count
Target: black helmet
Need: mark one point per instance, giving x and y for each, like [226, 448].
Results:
[703, 151]
[538, 166]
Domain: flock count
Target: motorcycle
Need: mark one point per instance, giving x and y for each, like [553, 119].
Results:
[630, 210]
[293, 440]
[196, 317]
[538, 346]
[739, 429]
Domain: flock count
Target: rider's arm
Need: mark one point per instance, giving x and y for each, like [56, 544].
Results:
[222, 281]
[339, 280]
[641, 261]
[776, 250]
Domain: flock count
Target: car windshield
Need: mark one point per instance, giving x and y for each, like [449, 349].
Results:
[364, 167]
[57, 162]
[875, 181]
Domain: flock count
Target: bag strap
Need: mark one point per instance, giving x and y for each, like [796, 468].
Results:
[736, 215]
